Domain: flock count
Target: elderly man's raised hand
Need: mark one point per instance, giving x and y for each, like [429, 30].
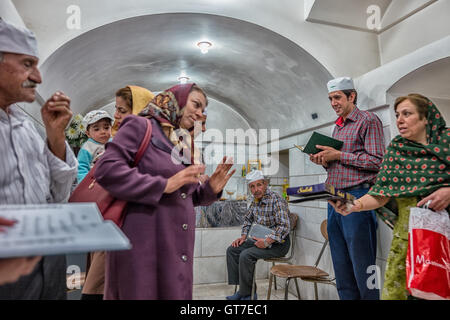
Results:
[56, 115]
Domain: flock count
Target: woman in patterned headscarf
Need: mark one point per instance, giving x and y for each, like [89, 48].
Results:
[161, 193]
[177, 121]
[415, 169]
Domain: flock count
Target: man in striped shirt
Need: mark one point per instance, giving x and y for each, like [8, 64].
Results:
[353, 169]
[32, 171]
[267, 209]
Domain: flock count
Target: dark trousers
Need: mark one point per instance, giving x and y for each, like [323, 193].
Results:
[241, 262]
[353, 245]
[46, 282]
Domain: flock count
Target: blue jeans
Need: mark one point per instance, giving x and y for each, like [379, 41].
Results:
[353, 245]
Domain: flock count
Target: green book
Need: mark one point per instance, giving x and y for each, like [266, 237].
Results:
[320, 139]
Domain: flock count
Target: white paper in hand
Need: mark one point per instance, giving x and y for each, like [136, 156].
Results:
[50, 229]
[259, 231]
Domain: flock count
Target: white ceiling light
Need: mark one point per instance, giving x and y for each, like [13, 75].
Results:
[204, 46]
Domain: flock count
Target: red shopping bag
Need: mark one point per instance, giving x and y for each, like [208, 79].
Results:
[428, 257]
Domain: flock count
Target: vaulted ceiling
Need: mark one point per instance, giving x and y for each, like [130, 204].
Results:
[270, 81]
[267, 68]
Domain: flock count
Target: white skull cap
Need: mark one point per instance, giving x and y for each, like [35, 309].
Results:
[343, 83]
[17, 40]
[254, 175]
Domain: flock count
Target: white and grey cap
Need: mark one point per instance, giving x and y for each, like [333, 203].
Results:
[94, 116]
[254, 175]
[18, 40]
[342, 83]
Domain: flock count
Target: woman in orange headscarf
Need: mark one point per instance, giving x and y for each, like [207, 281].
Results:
[129, 100]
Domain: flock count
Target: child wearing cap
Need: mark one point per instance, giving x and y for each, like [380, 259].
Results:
[98, 129]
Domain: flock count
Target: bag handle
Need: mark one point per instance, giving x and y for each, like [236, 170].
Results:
[426, 205]
[144, 143]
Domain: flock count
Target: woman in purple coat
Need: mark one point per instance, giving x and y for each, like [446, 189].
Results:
[161, 193]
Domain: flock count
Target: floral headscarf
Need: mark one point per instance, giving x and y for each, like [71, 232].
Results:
[412, 169]
[167, 109]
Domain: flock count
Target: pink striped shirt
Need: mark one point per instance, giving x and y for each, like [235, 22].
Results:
[362, 152]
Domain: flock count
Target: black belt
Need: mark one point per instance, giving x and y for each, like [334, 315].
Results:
[364, 185]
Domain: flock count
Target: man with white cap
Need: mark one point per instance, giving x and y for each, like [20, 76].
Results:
[353, 241]
[32, 171]
[267, 209]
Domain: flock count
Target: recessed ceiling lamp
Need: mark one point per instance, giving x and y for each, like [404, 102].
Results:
[204, 46]
[183, 79]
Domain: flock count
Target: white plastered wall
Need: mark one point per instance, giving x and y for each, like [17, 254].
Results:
[425, 27]
[9, 13]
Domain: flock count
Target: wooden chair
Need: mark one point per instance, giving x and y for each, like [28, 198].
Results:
[305, 273]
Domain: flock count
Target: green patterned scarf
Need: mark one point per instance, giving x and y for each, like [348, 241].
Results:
[412, 169]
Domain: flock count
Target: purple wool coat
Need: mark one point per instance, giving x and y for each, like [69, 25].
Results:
[161, 227]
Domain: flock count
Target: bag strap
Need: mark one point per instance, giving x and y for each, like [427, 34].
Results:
[144, 143]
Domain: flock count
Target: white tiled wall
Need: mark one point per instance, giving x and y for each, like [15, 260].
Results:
[210, 264]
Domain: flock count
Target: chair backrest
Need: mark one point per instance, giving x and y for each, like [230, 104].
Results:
[323, 230]
[293, 218]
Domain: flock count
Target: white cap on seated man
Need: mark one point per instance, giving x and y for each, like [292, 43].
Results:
[254, 175]
[257, 184]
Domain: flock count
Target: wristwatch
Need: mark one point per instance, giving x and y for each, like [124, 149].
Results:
[265, 243]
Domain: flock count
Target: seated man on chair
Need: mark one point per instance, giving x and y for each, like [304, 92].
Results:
[267, 209]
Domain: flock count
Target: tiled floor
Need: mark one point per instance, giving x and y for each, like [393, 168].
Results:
[219, 291]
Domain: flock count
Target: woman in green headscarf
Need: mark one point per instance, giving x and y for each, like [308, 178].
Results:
[415, 169]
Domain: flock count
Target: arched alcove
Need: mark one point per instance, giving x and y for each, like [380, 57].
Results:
[431, 80]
